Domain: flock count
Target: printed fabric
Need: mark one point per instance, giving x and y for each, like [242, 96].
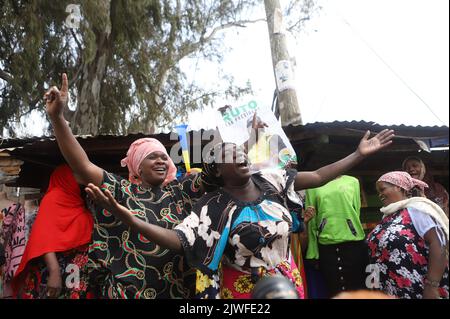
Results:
[124, 264]
[401, 257]
[251, 238]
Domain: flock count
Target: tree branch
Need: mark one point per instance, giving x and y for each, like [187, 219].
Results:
[188, 48]
[299, 21]
[6, 76]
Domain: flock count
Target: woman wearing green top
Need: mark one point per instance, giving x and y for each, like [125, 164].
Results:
[336, 236]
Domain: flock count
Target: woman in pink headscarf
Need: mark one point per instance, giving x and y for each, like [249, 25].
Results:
[126, 265]
[409, 248]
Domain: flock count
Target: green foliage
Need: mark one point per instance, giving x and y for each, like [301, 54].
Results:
[144, 42]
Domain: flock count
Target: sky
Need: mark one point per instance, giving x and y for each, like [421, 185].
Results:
[385, 61]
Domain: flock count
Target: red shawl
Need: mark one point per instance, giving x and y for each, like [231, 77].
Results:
[63, 222]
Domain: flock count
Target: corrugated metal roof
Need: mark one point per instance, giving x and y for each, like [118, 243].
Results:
[421, 131]
[317, 144]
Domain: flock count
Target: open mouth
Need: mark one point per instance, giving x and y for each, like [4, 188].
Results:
[243, 164]
[160, 169]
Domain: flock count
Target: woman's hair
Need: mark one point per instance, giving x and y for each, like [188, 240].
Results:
[210, 179]
[417, 159]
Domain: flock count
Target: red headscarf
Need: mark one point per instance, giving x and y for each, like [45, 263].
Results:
[63, 222]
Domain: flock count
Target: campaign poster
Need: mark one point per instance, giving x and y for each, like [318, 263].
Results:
[271, 148]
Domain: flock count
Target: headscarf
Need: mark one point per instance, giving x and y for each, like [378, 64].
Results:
[422, 165]
[402, 180]
[136, 154]
[62, 223]
[426, 206]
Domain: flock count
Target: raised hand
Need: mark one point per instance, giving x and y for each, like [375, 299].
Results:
[107, 201]
[257, 123]
[381, 140]
[56, 100]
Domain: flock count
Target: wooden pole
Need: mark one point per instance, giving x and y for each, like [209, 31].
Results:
[282, 66]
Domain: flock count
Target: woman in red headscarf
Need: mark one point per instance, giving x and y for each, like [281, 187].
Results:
[408, 250]
[53, 264]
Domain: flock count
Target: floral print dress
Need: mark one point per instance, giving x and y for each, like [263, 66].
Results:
[400, 255]
[234, 243]
[72, 265]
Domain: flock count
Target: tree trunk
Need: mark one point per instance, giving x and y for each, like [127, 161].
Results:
[86, 117]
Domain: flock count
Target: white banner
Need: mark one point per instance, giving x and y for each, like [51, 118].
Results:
[272, 149]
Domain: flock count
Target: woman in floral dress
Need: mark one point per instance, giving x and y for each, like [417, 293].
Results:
[240, 230]
[409, 248]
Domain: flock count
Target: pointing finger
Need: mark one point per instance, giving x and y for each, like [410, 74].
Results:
[65, 83]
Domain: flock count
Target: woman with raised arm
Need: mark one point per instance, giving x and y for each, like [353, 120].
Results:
[243, 223]
[125, 264]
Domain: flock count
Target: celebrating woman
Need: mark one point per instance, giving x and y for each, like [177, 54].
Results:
[239, 231]
[124, 263]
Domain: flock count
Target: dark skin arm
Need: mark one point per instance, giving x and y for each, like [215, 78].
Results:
[327, 173]
[437, 261]
[163, 237]
[310, 211]
[54, 280]
[84, 170]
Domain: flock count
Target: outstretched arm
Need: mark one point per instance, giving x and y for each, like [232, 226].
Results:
[84, 171]
[166, 238]
[327, 173]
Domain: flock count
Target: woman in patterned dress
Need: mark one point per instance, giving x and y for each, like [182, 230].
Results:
[58, 243]
[123, 263]
[239, 231]
[409, 248]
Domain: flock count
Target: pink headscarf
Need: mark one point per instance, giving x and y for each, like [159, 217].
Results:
[403, 180]
[138, 151]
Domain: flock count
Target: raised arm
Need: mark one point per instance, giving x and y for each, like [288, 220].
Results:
[84, 171]
[327, 173]
[166, 238]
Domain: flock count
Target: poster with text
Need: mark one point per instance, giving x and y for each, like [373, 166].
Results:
[270, 148]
